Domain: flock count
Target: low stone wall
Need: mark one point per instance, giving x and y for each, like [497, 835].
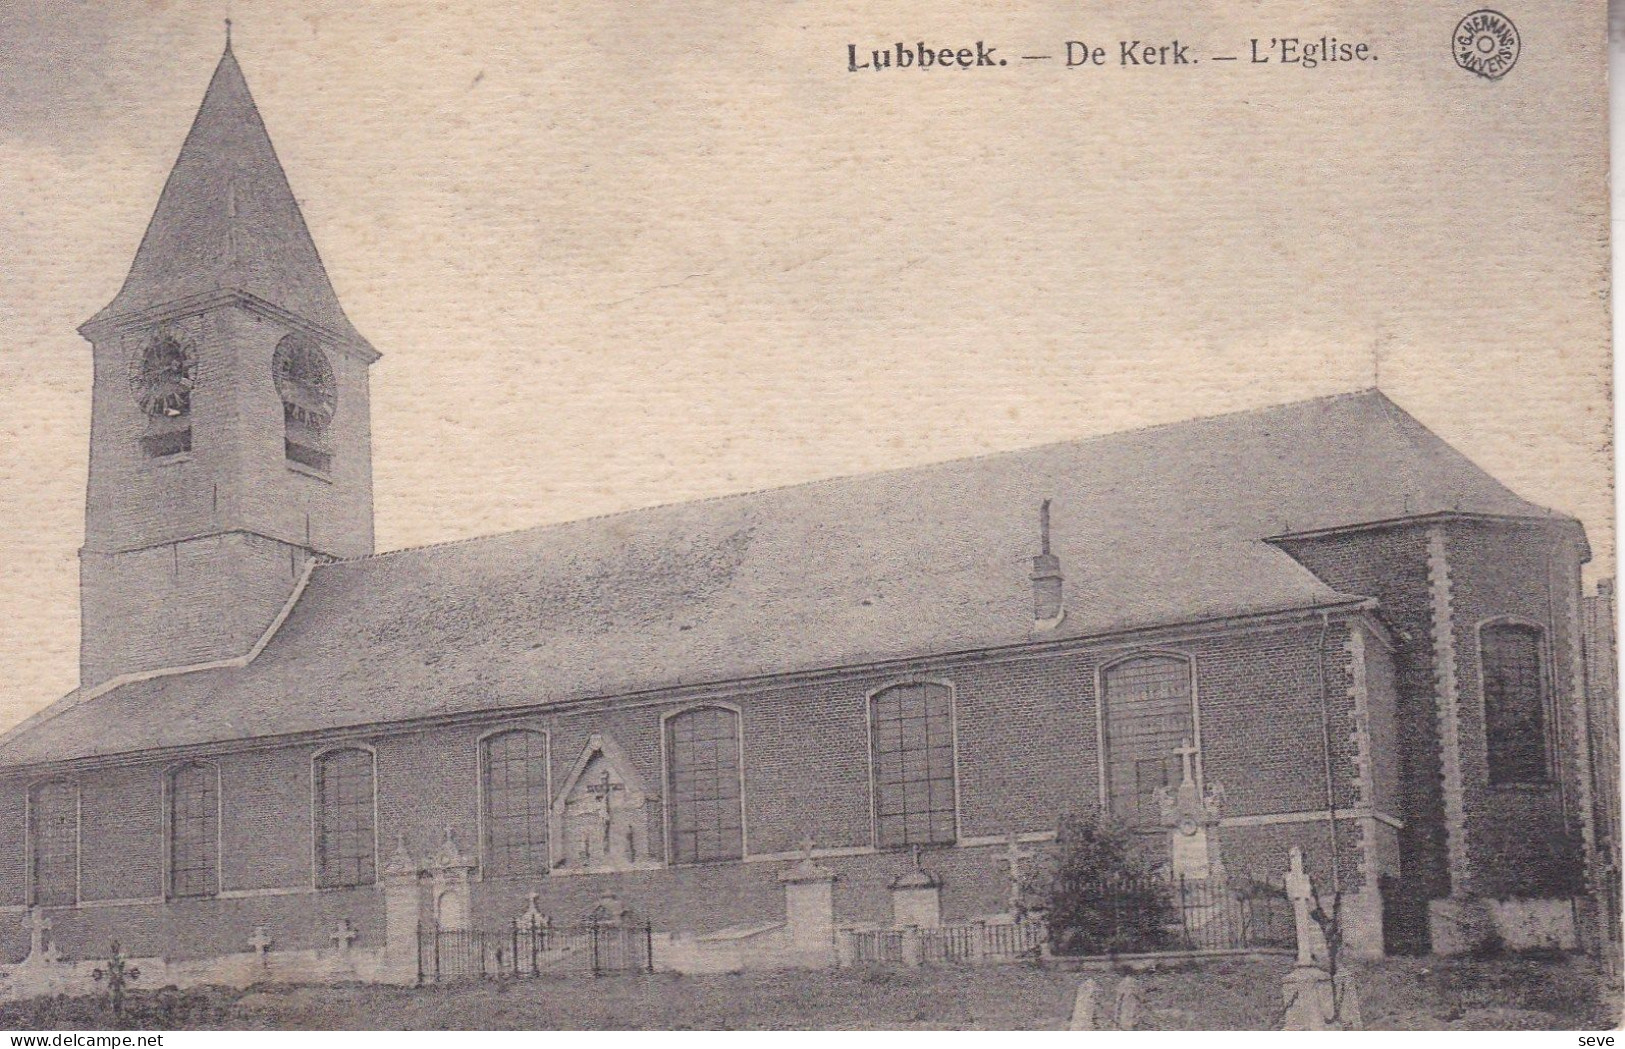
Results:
[39, 977]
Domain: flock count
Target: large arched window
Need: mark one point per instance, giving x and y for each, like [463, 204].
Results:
[1148, 715]
[911, 734]
[704, 810]
[513, 770]
[194, 830]
[53, 842]
[1514, 703]
[346, 843]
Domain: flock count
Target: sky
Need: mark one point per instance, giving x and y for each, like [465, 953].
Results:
[617, 255]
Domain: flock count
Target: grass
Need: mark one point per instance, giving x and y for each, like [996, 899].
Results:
[1550, 993]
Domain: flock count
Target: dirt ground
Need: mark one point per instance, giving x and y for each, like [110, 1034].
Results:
[1517, 993]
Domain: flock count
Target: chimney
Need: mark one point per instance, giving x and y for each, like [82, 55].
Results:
[1048, 610]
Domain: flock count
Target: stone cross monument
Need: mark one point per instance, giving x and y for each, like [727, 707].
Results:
[1192, 819]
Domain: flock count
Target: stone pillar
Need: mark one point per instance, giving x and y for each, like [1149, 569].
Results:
[452, 871]
[402, 916]
[809, 909]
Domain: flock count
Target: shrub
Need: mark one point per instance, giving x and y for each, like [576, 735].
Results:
[1099, 893]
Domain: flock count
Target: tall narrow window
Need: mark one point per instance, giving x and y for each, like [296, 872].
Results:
[1514, 703]
[194, 831]
[1148, 715]
[53, 839]
[912, 740]
[514, 767]
[345, 841]
[702, 748]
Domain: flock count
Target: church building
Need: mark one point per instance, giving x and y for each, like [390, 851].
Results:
[1313, 626]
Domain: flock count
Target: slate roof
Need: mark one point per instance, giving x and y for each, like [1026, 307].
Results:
[1154, 526]
[227, 219]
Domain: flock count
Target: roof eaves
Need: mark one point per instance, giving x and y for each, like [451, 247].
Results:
[1435, 517]
[1332, 603]
[108, 320]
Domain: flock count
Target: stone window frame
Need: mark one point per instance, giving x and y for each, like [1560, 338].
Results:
[168, 794]
[78, 838]
[1102, 744]
[667, 769]
[316, 815]
[481, 743]
[874, 778]
[1548, 704]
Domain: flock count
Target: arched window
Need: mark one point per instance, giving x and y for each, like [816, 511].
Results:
[304, 380]
[911, 735]
[1148, 714]
[194, 831]
[1514, 703]
[53, 840]
[706, 820]
[515, 789]
[346, 845]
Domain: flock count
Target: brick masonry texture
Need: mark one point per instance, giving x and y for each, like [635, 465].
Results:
[1027, 751]
[1278, 708]
[1502, 569]
[190, 559]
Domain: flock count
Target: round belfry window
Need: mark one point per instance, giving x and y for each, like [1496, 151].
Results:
[304, 381]
[161, 376]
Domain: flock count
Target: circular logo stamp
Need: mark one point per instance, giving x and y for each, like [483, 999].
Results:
[1486, 43]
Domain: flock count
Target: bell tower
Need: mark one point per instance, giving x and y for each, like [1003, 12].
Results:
[230, 436]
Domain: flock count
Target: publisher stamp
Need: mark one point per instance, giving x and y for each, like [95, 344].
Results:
[1486, 43]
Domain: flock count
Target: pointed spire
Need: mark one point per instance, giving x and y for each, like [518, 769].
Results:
[227, 220]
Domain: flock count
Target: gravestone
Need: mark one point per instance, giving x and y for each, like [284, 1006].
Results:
[1192, 819]
[1128, 1004]
[1013, 856]
[403, 913]
[1122, 1015]
[533, 920]
[1312, 999]
[809, 907]
[343, 935]
[452, 871]
[1083, 1007]
[916, 898]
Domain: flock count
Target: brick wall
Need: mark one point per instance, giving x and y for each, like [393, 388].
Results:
[1491, 569]
[154, 594]
[1517, 836]
[1392, 566]
[1027, 751]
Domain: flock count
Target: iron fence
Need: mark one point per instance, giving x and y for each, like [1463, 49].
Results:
[949, 944]
[534, 950]
[1160, 914]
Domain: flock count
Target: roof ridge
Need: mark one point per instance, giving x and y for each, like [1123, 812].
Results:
[811, 482]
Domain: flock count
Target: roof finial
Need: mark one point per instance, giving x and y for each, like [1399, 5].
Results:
[228, 34]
